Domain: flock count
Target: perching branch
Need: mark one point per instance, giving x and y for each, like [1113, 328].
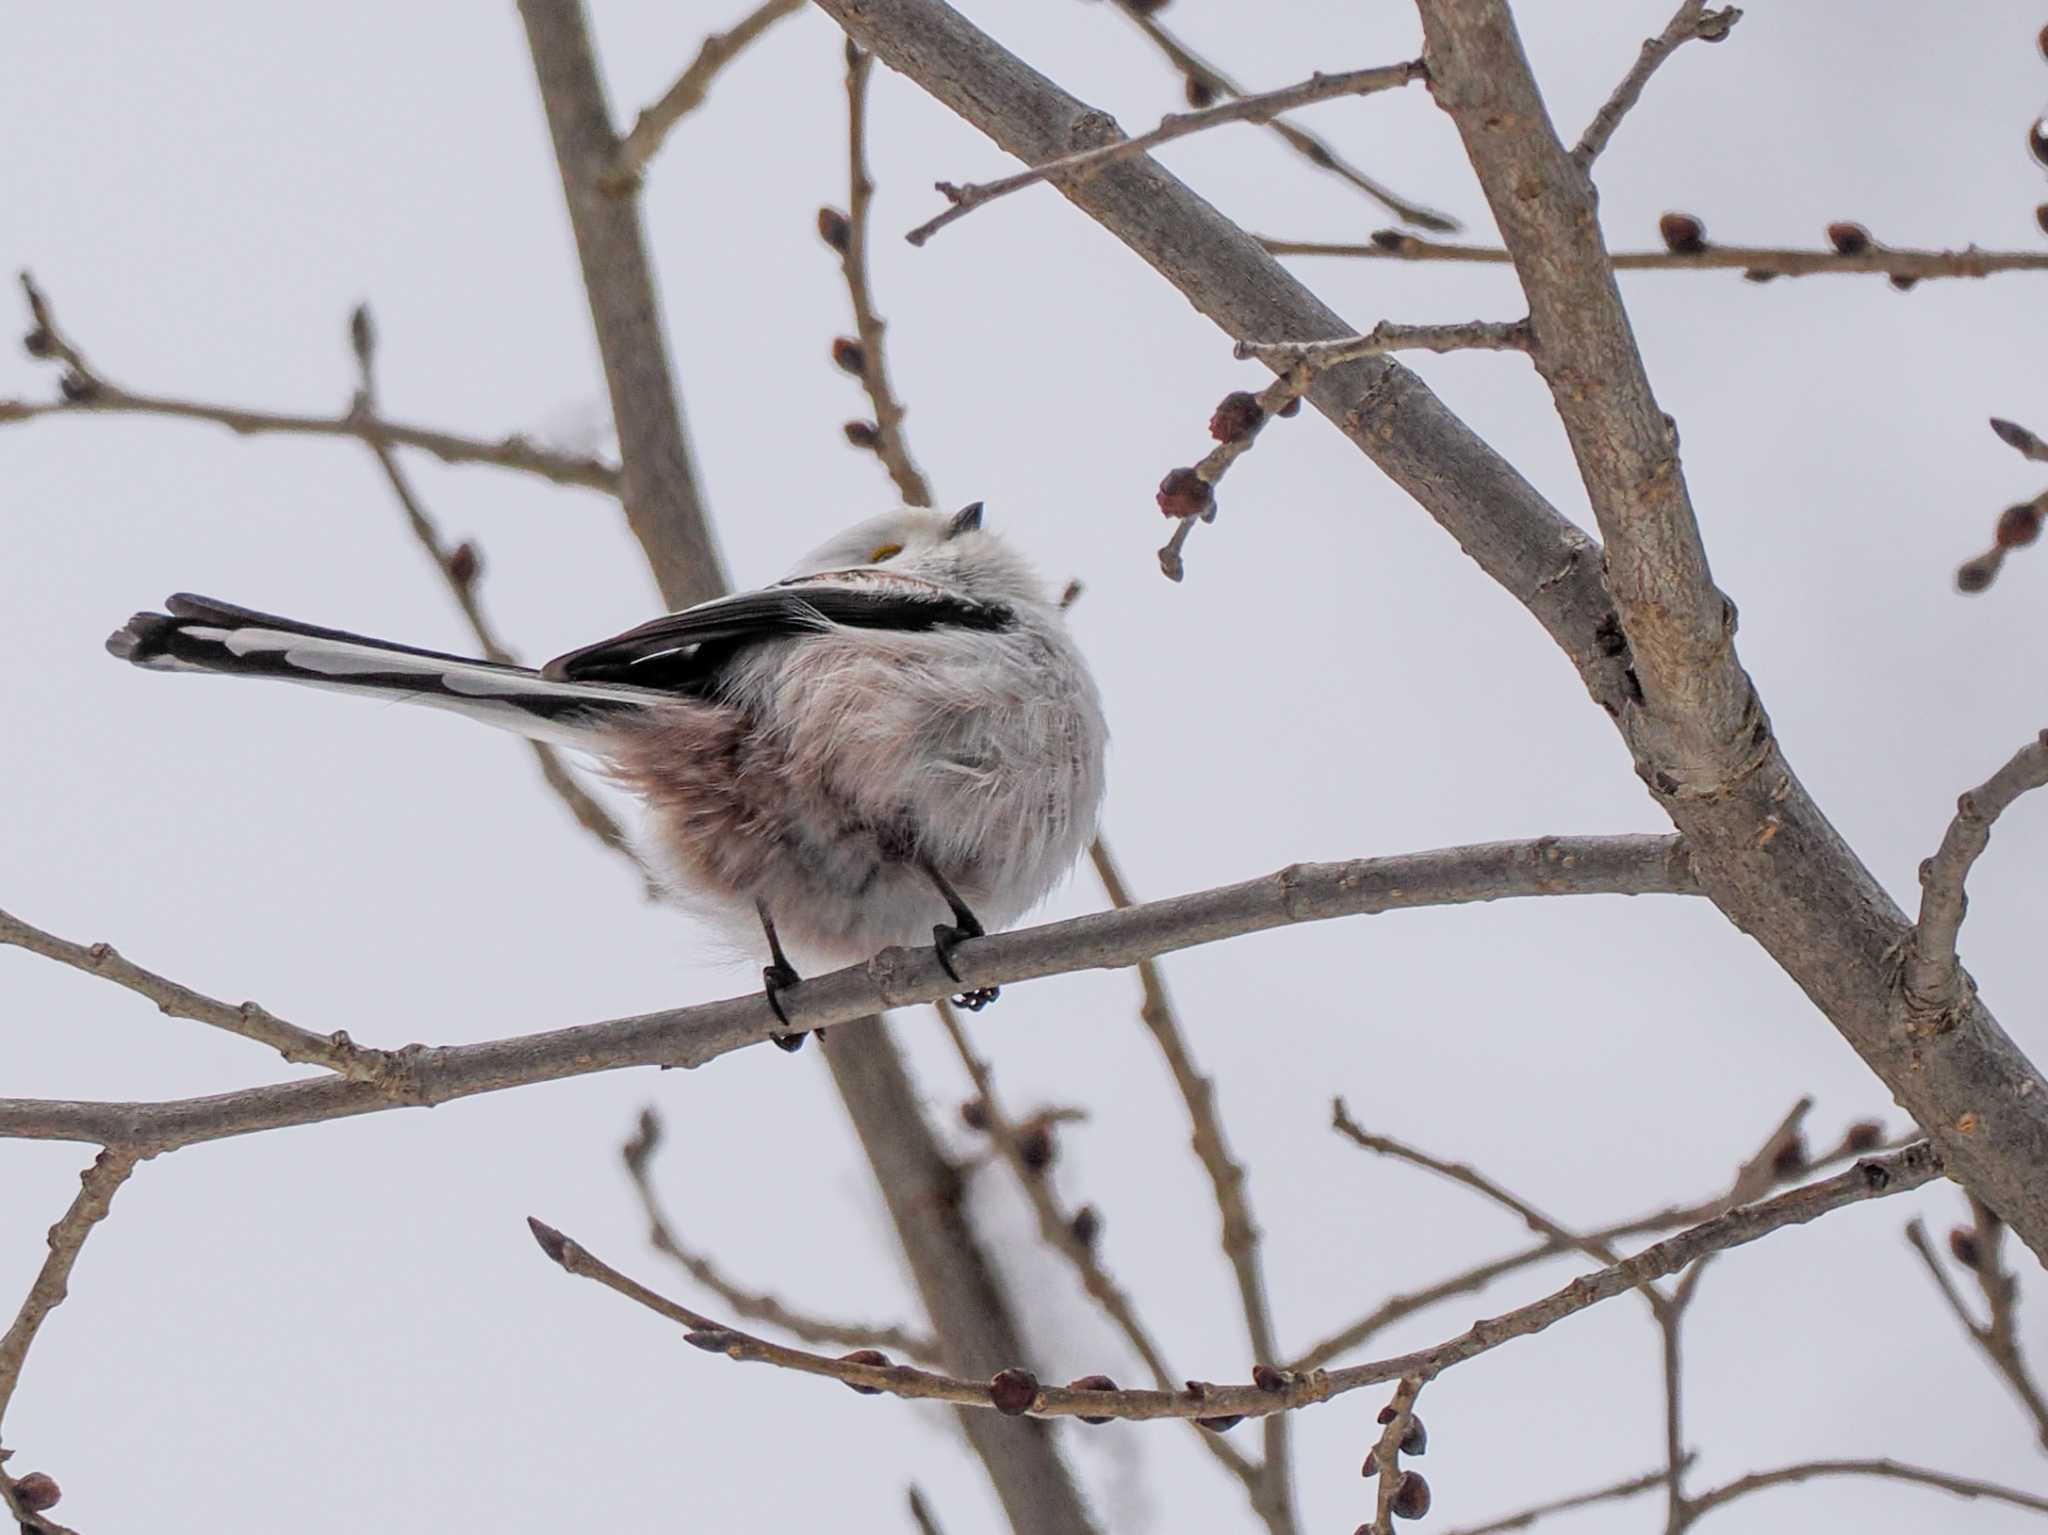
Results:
[1016, 1393]
[335, 1052]
[692, 1036]
[1934, 983]
[754, 1305]
[1762, 262]
[890, 445]
[87, 392]
[1261, 108]
[653, 126]
[1205, 82]
[97, 1187]
[1693, 20]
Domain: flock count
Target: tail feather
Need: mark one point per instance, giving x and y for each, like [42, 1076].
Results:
[198, 634]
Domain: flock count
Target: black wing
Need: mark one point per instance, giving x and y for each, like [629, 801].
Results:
[684, 651]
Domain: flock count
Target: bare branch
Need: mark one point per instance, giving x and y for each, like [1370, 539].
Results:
[1963, 1487]
[1205, 82]
[1613, 1494]
[1385, 1462]
[1239, 1231]
[1190, 494]
[1762, 261]
[1261, 108]
[1471, 335]
[890, 445]
[1870, 1179]
[754, 1305]
[97, 1187]
[86, 392]
[336, 1052]
[1934, 984]
[654, 125]
[1999, 1338]
[1692, 20]
[691, 1036]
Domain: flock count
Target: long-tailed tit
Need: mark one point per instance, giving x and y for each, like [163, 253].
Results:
[899, 728]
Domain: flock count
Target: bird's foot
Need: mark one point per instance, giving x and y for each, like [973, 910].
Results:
[775, 979]
[946, 937]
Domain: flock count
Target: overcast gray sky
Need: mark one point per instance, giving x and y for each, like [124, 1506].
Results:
[348, 1322]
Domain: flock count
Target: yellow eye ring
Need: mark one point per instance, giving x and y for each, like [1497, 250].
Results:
[883, 552]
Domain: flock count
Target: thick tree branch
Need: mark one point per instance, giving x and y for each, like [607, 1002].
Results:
[653, 126]
[692, 1036]
[658, 484]
[1934, 983]
[1692, 20]
[1082, 163]
[1205, 82]
[1872, 1178]
[97, 1187]
[753, 1305]
[335, 1052]
[1764, 261]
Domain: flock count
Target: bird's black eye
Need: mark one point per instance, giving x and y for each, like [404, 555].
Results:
[883, 552]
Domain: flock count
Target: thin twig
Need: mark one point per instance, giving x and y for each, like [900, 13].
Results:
[1522, 1519]
[754, 1305]
[890, 445]
[1872, 1178]
[690, 1036]
[1239, 1232]
[336, 1052]
[1190, 493]
[1205, 79]
[1999, 1338]
[97, 1186]
[1693, 20]
[1056, 1230]
[1245, 109]
[1470, 335]
[87, 392]
[460, 568]
[1963, 1487]
[654, 125]
[1934, 984]
[1768, 261]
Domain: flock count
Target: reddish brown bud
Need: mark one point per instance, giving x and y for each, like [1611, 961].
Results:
[77, 388]
[1184, 493]
[1962, 1241]
[1266, 1378]
[1790, 1159]
[1146, 7]
[2013, 435]
[2019, 525]
[1864, 1135]
[850, 355]
[1012, 1392]
[1200, 93]
[1386, 1416]
[39, 343]
[1683, 234]
[37, 1491]
[1849, 239]
[1390, 239]
[834, 229]
[974, 1114]
[1978, 574]
[1238, 416]
[863, 434]
[552, 1242]
[2037, 140]
[1092, 1383]
[1411, 1496]
[1758, 274]
[465, 564]
[864, 1356]
[1035, 1146]
[1291, 408]
[713, 1340]
[1086, 1225]
[1223, 1423]
[1902, 282]
[362, 334]
[1416, 1440]
[2041, 216]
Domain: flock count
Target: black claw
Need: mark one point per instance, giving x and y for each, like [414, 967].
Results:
[775, 979]
[974, 1001]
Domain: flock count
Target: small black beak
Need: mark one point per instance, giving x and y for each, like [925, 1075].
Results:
[966, 520]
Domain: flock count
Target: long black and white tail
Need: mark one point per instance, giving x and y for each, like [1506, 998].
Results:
[198, 634]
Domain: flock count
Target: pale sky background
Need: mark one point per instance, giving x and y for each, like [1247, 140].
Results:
[348, 1324]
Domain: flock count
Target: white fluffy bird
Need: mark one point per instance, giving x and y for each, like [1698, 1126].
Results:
[899, 731]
